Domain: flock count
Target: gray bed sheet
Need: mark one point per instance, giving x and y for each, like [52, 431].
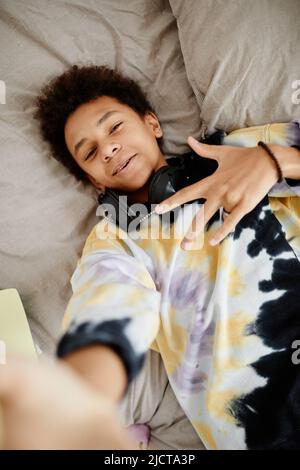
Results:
[45, 214]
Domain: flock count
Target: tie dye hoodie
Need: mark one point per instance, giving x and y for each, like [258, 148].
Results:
[225, 319]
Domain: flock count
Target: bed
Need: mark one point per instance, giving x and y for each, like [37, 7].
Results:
[204, 66]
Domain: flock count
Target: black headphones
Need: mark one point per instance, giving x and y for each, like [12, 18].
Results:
[180, 172]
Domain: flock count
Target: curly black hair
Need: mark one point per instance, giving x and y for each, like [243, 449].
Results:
[76, 86]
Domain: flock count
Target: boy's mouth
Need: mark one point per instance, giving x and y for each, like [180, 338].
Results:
[121, 166]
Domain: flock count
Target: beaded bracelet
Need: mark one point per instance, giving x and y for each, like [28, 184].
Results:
[271, 154]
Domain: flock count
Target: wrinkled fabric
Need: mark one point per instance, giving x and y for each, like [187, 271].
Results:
[223, 318]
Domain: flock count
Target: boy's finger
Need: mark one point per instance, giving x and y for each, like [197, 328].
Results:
[210, 208]
[187, 194]
[195, 229]
[228, 225]
[205, 150]
[200, 220]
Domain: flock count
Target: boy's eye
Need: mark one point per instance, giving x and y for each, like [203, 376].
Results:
[116, 126]
[89, 154]
[93, 151]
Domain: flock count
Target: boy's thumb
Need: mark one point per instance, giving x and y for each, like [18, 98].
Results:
[204, 150]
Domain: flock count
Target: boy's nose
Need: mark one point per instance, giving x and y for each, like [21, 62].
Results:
[111, 151]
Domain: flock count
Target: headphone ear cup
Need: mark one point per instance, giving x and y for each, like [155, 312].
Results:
[164, 183]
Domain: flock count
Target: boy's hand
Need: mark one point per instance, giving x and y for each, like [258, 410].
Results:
[244, 176]
[47, 406]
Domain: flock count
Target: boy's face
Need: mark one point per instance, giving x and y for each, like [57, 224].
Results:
[102, 143]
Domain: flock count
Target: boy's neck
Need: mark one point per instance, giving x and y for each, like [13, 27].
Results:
[141, 195]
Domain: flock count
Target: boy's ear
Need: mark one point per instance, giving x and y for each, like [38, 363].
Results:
[95, 183]
[153, 121]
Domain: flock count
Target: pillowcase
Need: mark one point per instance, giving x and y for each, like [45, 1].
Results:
[242, 59]
[45, 213]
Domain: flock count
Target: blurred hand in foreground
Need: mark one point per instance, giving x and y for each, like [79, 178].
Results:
[48, 406]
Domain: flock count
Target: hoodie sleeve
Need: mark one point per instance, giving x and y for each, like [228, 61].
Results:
[285, 134]
[289, 186]
[114, 302]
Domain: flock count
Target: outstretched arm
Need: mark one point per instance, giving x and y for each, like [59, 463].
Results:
[102, 368]
[112, 317]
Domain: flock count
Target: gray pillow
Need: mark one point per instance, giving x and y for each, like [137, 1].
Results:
[242, 59]
[45, 214]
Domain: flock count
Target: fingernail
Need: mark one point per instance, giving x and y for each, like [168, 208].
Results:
[189, 238]
[213, 241]
[185, 245]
